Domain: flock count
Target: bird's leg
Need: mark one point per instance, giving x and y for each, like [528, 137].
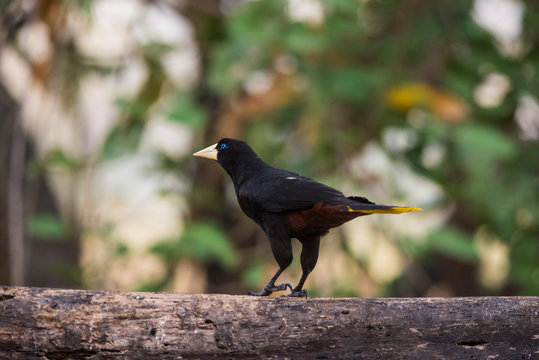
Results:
[282, 251]
[309, 256]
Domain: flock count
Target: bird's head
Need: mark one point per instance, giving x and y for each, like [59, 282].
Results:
[231, 154]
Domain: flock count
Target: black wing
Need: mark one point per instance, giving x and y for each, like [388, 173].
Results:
[278, 190]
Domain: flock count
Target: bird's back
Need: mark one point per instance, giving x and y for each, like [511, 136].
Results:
[277, 191]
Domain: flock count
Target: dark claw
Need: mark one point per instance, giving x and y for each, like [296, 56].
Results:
[268, 290]
[297, 293]
[282, 287]
[264, 292]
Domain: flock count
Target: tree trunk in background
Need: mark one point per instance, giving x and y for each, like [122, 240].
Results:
[8, 109]
[26, 259]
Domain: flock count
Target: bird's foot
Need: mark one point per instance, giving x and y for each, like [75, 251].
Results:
[297, 293]
[267, 290]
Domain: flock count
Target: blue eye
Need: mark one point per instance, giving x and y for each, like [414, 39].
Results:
[223, 146]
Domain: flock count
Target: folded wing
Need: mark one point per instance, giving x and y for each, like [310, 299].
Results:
[279, 191]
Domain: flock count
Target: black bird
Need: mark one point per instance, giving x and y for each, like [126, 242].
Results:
[288, 205]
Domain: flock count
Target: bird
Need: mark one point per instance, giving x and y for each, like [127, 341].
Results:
[287, 205]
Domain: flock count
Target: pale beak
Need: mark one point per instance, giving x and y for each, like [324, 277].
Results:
[210, 152]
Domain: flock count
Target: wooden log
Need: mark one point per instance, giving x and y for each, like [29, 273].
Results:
[38, 323]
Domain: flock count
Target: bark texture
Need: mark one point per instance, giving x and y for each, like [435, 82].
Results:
[37, 323]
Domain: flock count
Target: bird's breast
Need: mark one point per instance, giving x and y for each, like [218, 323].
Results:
[248, 206]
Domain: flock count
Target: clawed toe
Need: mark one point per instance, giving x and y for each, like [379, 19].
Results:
[268, 290]
[297, 293]
[282, 287]
[260, 293]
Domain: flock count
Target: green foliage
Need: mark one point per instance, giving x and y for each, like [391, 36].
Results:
[185, 111]
[58, 159]
[121, 141]
[453, 243]
[524, 270]
[353, 84]
[339, 75]
[132, 108]
[125, 137]
[47, 227]
[418, 250]
[84, 5]
[352, 60]
[67, 271]
[201, 241]
[253, 275]
[121, 250]
[480, 147]
[153, 286]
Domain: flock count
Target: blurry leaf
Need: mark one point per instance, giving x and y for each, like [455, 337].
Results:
[153, 286]
[58, 158]
[231, 64]
[167, 250]
[257, 22]
[524, 265]
[133, 108]
[157, 49]
[339, 292]
[202, 241]
[121, 250]
[486, 139]
[186, 112]
[354, 84]
[253, 28]
[122, 141]
[253, 276]
[460, 83]
[417, 249]
[479, 146]
[70, 272]
[453, 243]
[47, 227]
[84, 5]
[301, 39]
[125, 137]
[206, 242]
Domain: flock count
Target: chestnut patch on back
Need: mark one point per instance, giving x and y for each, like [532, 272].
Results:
[320, 218]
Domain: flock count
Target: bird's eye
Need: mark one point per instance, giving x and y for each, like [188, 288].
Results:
[223, 146]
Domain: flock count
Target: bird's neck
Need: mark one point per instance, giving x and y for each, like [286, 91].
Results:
[245, 170]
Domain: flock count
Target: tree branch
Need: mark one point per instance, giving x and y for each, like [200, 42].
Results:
[54, 323]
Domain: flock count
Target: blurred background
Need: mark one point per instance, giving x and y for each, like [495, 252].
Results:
[430, 104]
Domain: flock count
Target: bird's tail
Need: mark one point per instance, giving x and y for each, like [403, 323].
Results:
[383, 209]
[364, 206]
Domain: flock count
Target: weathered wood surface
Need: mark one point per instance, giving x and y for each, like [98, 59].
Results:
[40, 323]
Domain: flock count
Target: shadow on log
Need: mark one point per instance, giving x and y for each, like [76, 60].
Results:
[40, 323]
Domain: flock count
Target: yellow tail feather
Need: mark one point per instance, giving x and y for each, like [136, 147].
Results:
[392, 210]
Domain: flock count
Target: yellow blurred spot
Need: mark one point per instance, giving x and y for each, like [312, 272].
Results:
[385, 263]
[494, 260]
[442, 104]
[407, 96]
